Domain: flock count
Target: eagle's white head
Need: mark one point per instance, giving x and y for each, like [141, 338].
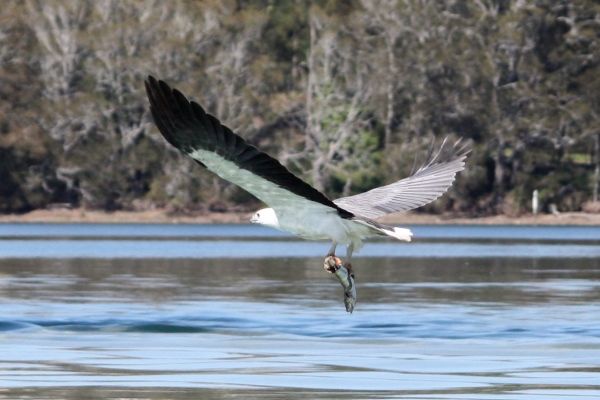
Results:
[266, 216]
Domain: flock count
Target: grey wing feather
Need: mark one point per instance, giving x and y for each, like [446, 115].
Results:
[424, 186]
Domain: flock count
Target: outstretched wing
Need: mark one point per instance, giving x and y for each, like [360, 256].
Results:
[427, 184]
[188, 127]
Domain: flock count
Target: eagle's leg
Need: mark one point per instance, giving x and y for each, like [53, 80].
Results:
[331, 252]
[331, 261]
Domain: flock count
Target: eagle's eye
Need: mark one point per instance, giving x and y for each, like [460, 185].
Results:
[258, 215]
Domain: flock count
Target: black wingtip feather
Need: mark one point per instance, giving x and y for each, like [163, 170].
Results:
[161, 111]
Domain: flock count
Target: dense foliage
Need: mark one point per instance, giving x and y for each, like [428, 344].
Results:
[346, 93]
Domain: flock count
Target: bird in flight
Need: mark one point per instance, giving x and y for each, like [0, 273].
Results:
[294, 205]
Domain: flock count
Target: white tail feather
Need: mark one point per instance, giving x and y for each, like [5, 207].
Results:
[399, 233]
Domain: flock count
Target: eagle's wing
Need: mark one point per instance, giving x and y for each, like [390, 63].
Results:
[427, 184]
[188, 127]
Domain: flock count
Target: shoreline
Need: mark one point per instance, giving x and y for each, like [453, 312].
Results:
[162, 216]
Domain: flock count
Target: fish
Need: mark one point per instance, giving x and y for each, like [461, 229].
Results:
[334, 265]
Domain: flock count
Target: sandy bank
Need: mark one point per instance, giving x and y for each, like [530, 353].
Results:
[161, 216]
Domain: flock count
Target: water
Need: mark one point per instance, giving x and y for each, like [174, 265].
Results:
[238, 311]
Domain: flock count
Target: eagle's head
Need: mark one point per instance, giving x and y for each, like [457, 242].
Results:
[266, 216]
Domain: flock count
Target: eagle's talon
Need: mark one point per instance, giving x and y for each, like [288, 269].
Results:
[332, 264]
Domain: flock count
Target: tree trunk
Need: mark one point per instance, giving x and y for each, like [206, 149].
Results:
[499, 172]
[391, 91]
[597, 169]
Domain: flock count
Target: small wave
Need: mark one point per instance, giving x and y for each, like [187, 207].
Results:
[6, 326]
[128, 325]
[242, 319]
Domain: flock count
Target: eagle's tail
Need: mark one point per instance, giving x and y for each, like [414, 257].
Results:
[387, 230]
[398, 233]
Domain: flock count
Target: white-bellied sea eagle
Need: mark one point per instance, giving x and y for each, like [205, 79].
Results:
[295, 206]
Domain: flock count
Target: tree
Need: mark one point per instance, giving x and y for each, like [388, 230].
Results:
[345, 93]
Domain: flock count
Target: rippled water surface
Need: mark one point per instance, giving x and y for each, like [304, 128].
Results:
[238, 311]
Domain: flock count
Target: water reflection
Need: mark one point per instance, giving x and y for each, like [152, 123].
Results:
[187, 328]
[381, 280]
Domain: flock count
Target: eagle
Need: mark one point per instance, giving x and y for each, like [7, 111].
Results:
[294, 205]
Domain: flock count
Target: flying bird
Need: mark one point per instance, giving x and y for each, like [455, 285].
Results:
[294, 205]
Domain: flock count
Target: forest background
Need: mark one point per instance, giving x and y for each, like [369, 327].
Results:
[347, 94]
